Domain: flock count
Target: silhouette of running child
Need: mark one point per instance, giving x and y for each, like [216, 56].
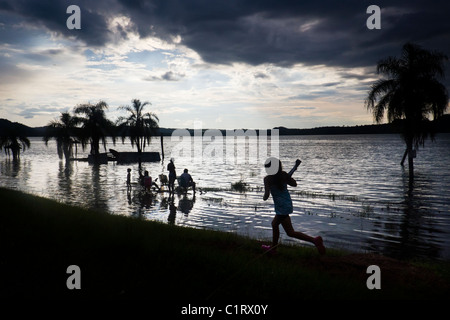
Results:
[275, 184]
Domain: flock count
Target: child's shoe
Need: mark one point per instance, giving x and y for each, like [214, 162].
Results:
[318, 242]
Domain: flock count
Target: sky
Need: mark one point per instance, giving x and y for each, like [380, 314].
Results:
[223, 64]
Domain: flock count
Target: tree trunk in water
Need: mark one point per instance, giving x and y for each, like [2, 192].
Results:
[95, 146]
[67, 148]
[16, 153]
[139, 150]
[410, 162]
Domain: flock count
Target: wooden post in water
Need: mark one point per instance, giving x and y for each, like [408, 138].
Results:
[162, 147]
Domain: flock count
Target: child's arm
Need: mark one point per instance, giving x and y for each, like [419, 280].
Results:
[291, 181]
[297, 163]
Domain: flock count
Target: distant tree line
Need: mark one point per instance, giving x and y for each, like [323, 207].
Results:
[440, 125]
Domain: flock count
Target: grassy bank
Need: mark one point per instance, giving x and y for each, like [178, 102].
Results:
[122, 257]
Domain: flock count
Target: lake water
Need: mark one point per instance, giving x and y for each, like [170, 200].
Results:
[351, 190]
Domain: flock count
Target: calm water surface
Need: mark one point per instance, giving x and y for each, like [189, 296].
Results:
[351, 190]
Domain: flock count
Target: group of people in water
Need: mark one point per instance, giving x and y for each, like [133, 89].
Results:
[275, 185]
[146, 181]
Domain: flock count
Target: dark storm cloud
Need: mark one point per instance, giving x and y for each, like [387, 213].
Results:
[281, 32]
[52, 15]
[287, 32]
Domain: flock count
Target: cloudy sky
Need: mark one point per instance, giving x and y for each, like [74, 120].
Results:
[226, 63]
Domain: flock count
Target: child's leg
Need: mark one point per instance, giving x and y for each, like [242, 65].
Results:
[317, 241]
[287, 226]
[276, 230]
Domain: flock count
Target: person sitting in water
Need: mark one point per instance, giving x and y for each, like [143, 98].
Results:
[148, 183]
[186, 180]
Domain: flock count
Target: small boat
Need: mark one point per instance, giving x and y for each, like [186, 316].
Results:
[121, 157]
[101, 158]
[130, 157]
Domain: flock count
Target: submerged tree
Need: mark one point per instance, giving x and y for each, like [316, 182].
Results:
[13, 140]
[64, 132]
[139, 126]
[410, 93]
[95, 127]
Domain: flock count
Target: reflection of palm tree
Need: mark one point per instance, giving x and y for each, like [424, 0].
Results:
[416, 232]
[63, 131]
[64, 178]
[411, 92]
[12, 139]
[138, 126]
[95, 125]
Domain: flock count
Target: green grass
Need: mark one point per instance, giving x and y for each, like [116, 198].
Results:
[123, 257]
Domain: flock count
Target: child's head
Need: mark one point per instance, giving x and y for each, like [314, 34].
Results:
[273, 166]
[128, 170]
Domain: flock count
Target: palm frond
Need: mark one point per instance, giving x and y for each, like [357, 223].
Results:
[138, 126]
[390, 66]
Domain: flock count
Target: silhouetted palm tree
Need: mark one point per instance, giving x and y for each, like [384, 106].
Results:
[410, 92]
[63, 131]
[13, 140]
[138, 126]
[95, 126]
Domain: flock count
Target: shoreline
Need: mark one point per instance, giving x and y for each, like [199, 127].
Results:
[441, 125]
[122, 257]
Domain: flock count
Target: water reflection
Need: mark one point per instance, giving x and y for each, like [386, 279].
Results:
[173, 213]
[417, 228]
[64, 177]
[185, 204]
[146, 201]
[410, 228]
[19, 170]
[100, 188]
[154, 202]
[10, 167]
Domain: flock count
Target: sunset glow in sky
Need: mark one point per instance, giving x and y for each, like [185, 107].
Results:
[229, 64]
